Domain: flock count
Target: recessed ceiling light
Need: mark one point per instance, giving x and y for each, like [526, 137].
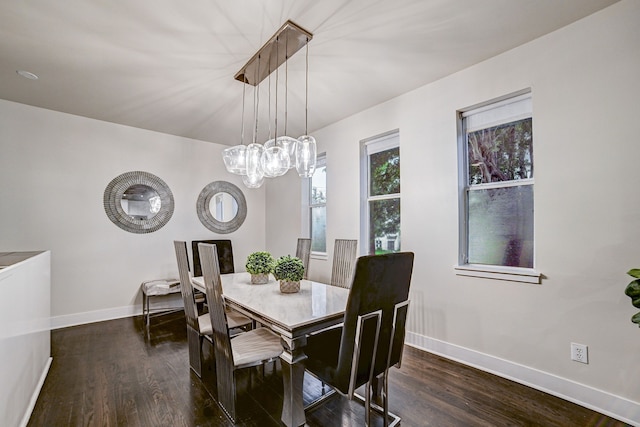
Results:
[27, 75]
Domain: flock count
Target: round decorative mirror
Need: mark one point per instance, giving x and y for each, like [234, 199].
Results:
[221, 207]
[138, 202]
[141, 202]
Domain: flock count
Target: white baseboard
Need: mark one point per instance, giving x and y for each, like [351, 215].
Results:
[67, 320]
[606, 403]
[36, 393]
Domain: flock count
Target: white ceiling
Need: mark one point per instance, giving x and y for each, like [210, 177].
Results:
[168, 66]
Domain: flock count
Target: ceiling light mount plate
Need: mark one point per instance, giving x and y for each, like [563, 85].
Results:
[289, 39]
[27, 74]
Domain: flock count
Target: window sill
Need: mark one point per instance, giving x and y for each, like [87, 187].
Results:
[512, 274]
[319, 255]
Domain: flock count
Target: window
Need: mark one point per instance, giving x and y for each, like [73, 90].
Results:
[380, 183]
[496, 183]
[318, 207]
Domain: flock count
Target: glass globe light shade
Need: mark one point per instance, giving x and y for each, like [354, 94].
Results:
[306, 156]
[255, 173]
[235, 159]
[289, 145]
[252, 182]
[275, 161]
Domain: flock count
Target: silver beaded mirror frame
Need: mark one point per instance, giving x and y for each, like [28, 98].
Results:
[204, 210]
[115, 191]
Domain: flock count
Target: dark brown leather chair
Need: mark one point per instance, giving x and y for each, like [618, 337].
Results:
[372, 336]
[225, 256]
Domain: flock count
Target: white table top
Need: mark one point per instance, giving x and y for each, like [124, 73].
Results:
[315, 306]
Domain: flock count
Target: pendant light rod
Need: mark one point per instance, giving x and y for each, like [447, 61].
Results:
[275, 136]
[269, 106]
[256, 102]
[286, 87]
[244, 87]
[306, 93]
[294, 38]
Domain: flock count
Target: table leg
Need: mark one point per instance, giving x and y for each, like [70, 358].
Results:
[293, 378]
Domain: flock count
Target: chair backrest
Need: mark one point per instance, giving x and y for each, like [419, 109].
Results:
[225, 256]
[190, 309]
[344, 259]
[213, 287]
[303, 251]
[380, 283]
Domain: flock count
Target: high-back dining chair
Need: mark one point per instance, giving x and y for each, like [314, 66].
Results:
[225, 256]
[253, 348]
[195, 333]
[372, 336]
[303, 251]
[198, 325]
[344, 260]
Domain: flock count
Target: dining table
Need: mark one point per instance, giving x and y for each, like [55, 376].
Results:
[292, 316]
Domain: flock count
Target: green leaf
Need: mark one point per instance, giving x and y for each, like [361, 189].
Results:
[634, 272]
[633, 289]
[259, 263]
[633, 292]
[288, 268]
[636, 318]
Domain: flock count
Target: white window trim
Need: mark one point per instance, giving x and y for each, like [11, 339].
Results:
[370, 146]
[513, 274]
[319, 255]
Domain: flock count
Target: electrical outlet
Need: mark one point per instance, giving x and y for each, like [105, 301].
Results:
[579, 353]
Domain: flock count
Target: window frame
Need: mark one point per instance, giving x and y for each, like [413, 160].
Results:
[307, 207]
[369, 146]
[463, 267]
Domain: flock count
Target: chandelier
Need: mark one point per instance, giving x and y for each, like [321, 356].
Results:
[275, 157]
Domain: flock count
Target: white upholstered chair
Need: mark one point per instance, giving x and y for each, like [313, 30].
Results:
[303, 251]
[198, 326]
[253, 348]
[344, 262]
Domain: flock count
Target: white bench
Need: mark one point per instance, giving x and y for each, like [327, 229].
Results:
[155, 288]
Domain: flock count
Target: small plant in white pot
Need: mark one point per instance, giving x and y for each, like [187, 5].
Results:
[259, 265]
[289, 271]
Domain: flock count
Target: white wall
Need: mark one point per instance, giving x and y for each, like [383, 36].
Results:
[54, 168]
[584, 82]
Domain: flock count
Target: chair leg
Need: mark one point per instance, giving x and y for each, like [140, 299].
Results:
[367, 405]
[381, 410]
[195, 349]
[226, 385]
[147, 308]
[385, 397]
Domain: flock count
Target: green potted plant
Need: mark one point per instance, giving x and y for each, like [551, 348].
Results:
[633, 292]
[289, 271]
[259, 265]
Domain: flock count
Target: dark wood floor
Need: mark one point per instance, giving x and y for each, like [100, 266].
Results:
[113, 374]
